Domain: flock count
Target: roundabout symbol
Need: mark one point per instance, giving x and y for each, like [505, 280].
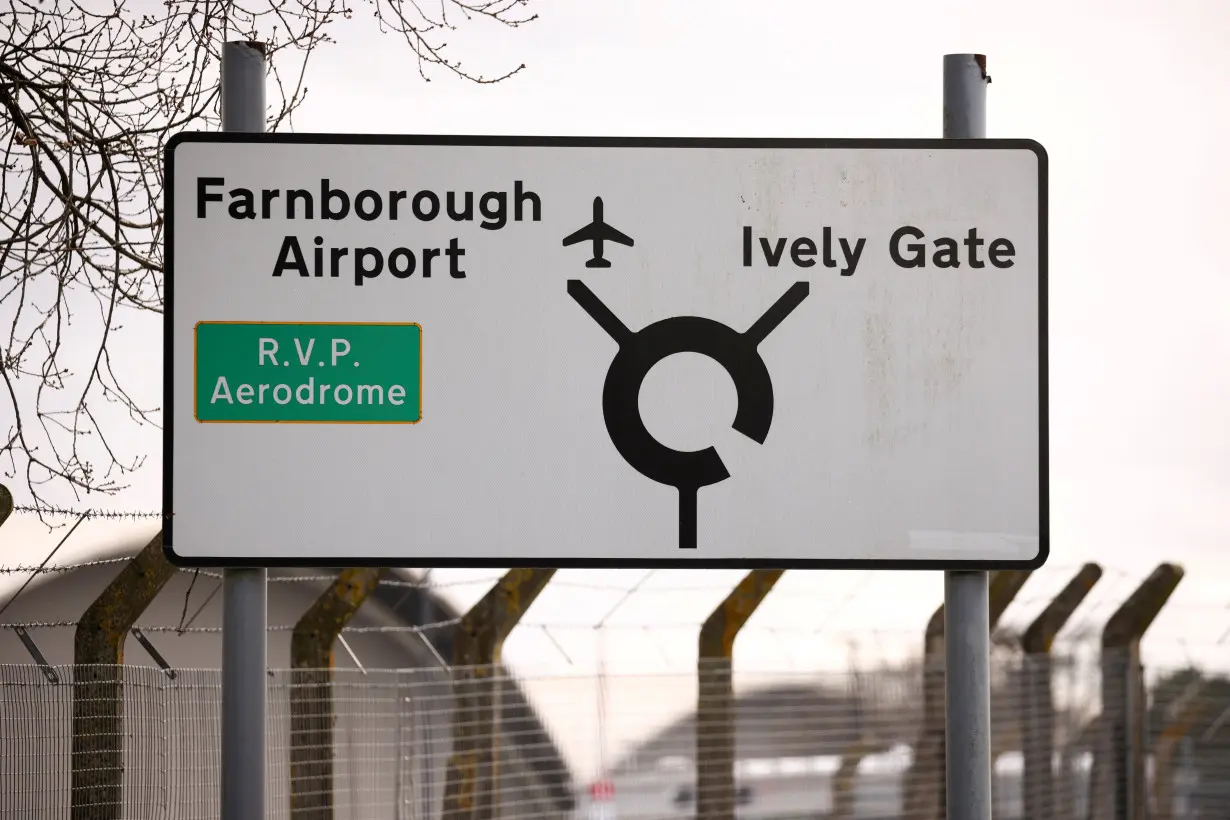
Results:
[686, 471]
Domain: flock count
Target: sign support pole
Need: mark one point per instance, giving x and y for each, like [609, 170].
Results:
[967, 661]
[244, 591]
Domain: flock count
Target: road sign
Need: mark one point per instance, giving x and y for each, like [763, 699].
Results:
[645, 352]
[335, 373]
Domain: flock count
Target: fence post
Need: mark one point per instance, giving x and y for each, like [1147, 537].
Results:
[311, 691]
[98, 683]
[1038, 717]
[1065, 788]
[846, 778]
[472, 777]
[1117, 784]
[715, 722]
[6, 504]
[925, 786]
[1181, 716]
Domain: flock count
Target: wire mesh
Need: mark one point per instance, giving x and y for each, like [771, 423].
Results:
[828, 701]
[804, 745]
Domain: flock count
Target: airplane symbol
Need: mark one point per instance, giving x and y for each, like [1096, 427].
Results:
[598, 232]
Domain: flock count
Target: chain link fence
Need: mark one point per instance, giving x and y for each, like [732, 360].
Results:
[806, 746]
[391, 740]
[833, 715]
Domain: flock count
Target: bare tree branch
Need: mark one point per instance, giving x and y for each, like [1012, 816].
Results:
[90, 91]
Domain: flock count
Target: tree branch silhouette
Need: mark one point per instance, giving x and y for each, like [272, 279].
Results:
[90, 92]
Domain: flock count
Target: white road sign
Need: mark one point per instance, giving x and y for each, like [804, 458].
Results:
[451, 351]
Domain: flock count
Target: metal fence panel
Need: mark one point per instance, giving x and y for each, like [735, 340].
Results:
[792, 732]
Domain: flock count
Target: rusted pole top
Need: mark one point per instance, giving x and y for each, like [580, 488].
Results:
[1004, 587]
[1136, 615]
[1041, 633]
[717, 634]
[104, 626]
[311, 642]
[487, 625]
[6, 504]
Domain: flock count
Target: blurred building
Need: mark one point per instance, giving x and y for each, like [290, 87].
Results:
[392, 702]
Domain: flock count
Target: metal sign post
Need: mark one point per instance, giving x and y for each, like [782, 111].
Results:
[967, 631]
[462, 333]
[244, 591]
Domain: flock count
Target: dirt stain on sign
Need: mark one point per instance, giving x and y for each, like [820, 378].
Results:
[918, 354]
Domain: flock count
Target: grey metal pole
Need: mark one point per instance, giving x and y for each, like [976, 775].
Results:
[244, 591]
[425, 759]
[967, 612]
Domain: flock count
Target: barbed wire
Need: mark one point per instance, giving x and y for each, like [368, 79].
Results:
[1024, 602]
[1108, 571]
[157, 628]
[68, 512]
[832, 622]
[553, 631]
[850, 595]
[22, 569]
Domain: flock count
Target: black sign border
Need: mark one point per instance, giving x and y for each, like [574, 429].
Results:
[350, 560]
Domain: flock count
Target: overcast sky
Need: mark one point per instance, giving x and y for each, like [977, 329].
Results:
[1127, 97]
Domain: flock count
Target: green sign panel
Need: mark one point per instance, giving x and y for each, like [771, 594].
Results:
[321, 373]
